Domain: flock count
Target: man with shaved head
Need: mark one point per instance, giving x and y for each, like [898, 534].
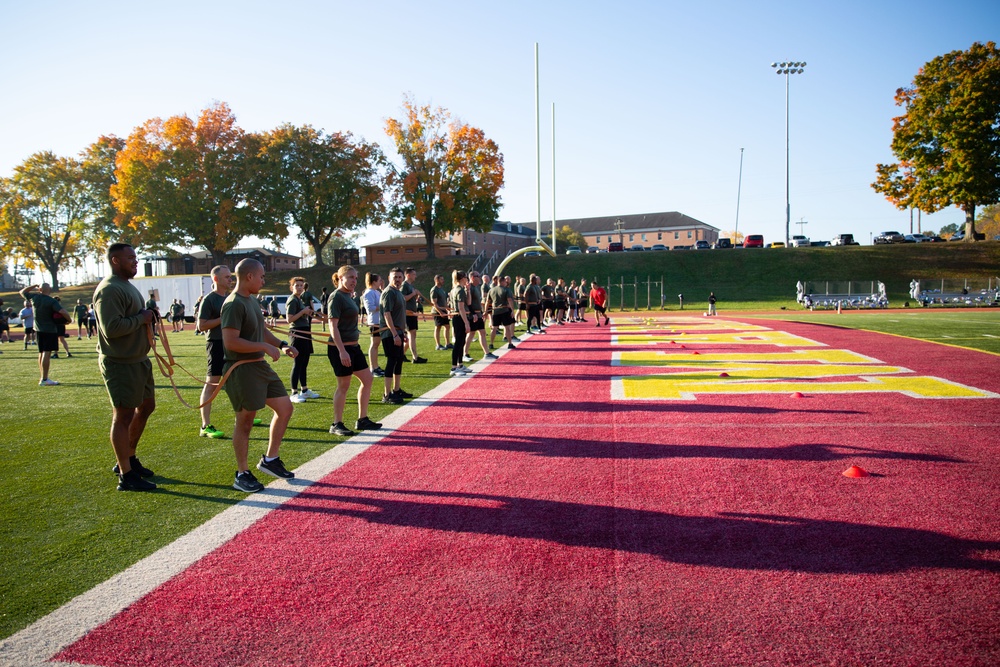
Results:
[46, 328]
[254, 384]
[209, 322]
[123, 349]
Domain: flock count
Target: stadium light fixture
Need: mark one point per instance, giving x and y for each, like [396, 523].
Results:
[788, 68]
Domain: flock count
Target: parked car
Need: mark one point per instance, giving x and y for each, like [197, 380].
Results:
[593, 250]
[914, 238]
[933, 238]
[659, 246]
[282, 300]
[799, 241]
[957, 236]
[638, 247]
[777, 244]
[754, 241]
[889, 237]
[616, 247]
[844, 239]
[702, 245]
[574, 250]
[723, 243]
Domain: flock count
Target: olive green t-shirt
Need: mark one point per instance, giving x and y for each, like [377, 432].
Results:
[122, 336]
[45, 307]
[440, 298]
[458, 296]
[392, 304]
[295, 306]
[211, 309]
[243, 313]
[500, 298]
[475, 298]
[342, 308]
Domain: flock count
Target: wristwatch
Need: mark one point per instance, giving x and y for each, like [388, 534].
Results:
[282, 345]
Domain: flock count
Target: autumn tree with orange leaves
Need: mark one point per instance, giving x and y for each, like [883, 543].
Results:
[947, 141]
[450, 177]
[181, 182]
[326, 185]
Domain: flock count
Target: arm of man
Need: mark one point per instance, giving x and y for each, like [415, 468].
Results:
[232, 341]
[28, 290]
[110, 313]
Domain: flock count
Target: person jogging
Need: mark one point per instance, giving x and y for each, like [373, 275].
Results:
[599, 301]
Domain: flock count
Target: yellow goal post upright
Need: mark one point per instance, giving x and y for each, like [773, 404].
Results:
[540, 245]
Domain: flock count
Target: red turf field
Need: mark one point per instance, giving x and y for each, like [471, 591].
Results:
[528, 519]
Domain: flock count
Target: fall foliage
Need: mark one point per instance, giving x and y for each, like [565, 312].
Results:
[450, 177]
[947, 141]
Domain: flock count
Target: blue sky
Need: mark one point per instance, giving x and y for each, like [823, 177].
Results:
[654, 100]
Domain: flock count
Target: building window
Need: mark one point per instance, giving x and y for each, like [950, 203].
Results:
[422, 249]
[394, 251]
[677, 235]
[659, 236]
[631, 237]
[409, 250]
[380, 252]
[643, 237]
[689, 233]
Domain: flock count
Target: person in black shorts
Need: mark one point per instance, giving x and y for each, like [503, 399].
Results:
[254, 384]
[500, 302]
[80, 313]
[46, 328]
[209, 322]
[413, 299]
[392, 310]
[346, 356]
[477, 322]
[442, 322]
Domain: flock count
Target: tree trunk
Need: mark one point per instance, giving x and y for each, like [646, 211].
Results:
[428, 228]
[54, 274]
[970, 223]
[318, 252]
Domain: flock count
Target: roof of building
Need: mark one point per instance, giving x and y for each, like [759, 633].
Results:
[643, 221]
[236, 252]
[406, 241]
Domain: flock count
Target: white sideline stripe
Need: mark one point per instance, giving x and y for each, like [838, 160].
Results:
[32, 646]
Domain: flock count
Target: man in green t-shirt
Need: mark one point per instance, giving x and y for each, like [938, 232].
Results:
[413, 299]
[80, 313]
[122, 349]
[392, 308]
[209, 322]
[46, 330]
[253, 384]
[501, 305]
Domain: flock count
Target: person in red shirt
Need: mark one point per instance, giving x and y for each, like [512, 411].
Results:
[599, 300]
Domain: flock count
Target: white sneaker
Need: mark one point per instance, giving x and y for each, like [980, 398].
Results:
[455, 373]
[47, 383]
[309, 393]
[463, 370]
[298, 398]
[467, 359]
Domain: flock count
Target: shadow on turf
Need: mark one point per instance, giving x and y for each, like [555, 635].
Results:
[729, 540]
[602, 449]
[606, 407]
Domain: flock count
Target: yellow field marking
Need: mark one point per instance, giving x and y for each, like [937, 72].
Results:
[684, 328]
[779, 338]
[662, 387]
[683, 358]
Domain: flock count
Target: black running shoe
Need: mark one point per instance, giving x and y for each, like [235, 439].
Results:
[274, 468]
[366, 424]
[246, 482]
[131, 481]
[403, 394]
[136, 466]
[340, 429]
[392, 399]
[511, 346]
[419, 360]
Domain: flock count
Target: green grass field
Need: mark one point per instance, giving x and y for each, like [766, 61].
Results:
[64, 528]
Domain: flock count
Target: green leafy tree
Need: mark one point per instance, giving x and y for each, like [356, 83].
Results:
[948, 140]
[44, 212]
[567, 236]
[107, 224]
[326, 185]
[948, 230]
[450, 177]
[181, 182]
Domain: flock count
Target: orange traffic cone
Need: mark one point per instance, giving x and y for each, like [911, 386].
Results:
[856, 471]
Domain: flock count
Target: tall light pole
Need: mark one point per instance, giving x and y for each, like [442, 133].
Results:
[787, 68]
[739, 188]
